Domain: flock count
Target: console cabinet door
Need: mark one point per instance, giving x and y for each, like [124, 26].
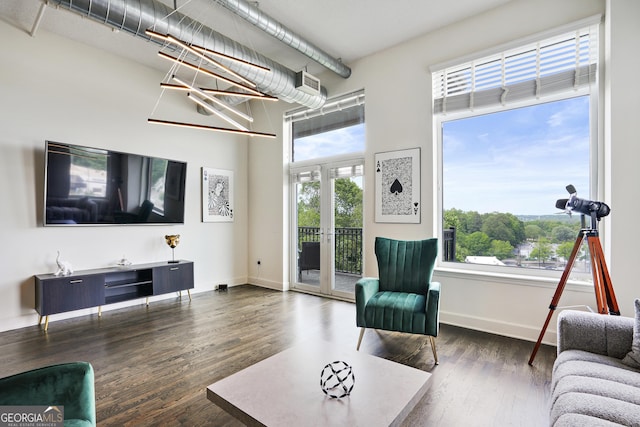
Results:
[69, 293]
[172, 278]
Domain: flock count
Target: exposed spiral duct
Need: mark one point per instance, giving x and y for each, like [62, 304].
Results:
[256, 17]
[135, 16]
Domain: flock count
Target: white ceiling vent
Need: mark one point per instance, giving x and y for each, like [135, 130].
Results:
[307, 83]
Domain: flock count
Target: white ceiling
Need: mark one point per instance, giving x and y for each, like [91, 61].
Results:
[346, 29]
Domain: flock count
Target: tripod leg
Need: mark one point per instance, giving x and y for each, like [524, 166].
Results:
[602, 280]
[597, 276]
[558, 293]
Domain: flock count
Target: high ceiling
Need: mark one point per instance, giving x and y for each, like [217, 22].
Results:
[346, 29]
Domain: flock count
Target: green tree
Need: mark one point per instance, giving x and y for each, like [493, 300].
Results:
[533, 231]
[348, 203]
[478, 244]
[504, 226]
[452, 219]
[309, 205]
[564, 250]
[541, 250]
[562, 233]
[501, 249]
[471, 222]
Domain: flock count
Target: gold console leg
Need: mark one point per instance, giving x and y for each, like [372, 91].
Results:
[147, 300]
[40, 320]
[99, 311]
[46, 323]
[189, 292]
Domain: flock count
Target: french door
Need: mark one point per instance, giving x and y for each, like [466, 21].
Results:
[327, 230]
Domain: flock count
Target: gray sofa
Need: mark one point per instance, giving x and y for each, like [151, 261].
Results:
[591, 385]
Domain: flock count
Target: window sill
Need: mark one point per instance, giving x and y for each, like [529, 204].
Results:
[510, 278]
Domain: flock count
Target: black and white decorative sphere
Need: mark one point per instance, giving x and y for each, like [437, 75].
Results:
[337, 379]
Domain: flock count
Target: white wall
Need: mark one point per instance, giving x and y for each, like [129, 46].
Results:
[52, 88]
[398, 115]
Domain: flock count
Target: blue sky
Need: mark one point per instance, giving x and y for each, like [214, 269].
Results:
[340, 141]
[517, 161]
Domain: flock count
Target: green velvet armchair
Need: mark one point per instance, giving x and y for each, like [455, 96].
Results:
[403, 298]
[69, 384]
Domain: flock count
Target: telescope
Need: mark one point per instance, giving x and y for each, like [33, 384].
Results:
[605, 296]
[595, 210]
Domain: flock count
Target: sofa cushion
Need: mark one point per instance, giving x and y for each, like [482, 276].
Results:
[633, 357]
[573, 420]
[589, 365]
[607, 408]
[595, 388]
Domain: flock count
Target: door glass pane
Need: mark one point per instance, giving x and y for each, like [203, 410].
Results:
[308, 231]
[347, 211]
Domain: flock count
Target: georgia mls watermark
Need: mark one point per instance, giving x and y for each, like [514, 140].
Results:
[32, 416]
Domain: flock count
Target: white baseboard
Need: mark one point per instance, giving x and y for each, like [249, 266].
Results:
[523, 332]
[269, 284]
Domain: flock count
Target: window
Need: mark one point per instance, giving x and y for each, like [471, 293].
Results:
[514, 129]
[335, 129]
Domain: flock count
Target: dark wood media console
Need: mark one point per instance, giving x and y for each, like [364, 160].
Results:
[95, 288]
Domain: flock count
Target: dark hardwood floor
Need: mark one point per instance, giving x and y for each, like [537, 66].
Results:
[153, 365]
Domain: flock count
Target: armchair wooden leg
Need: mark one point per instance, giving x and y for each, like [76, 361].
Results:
[360, 338]
[433, 347]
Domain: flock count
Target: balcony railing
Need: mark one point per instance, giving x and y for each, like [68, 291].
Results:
[449, 244]
[348, 247]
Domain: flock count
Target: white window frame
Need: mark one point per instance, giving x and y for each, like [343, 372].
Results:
[509, 274]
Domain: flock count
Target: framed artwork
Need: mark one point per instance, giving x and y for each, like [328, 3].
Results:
[217, 195]
[398, 186]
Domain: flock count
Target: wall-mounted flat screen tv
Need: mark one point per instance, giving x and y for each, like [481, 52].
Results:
[92, 186]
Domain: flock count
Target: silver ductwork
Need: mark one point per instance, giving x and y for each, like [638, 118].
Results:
[136, 16]
[255, 16]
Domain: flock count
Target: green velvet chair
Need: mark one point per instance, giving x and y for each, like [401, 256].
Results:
[403, 298]
[69, 384]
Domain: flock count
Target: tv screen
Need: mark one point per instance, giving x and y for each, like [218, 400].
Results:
[92, 186]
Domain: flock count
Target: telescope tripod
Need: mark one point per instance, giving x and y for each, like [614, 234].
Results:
[605, 296]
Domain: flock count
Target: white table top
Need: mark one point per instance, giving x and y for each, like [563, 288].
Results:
[284, 390]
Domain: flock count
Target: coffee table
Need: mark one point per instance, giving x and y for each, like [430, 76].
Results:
[284, 389]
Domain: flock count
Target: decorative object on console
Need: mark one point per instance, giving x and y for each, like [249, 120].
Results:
[172, 240]
[398, 186]
[123, 262]
[335, 376]
[217, 195]
[64, 267]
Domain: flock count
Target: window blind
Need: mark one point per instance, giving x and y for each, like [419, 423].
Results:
[309, 175]
[566, 62]
[340, 112]
[347, 171]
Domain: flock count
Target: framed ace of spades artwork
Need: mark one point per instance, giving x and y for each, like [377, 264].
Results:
[398, 186]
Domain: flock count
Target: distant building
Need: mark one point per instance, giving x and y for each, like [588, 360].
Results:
[486, 260]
